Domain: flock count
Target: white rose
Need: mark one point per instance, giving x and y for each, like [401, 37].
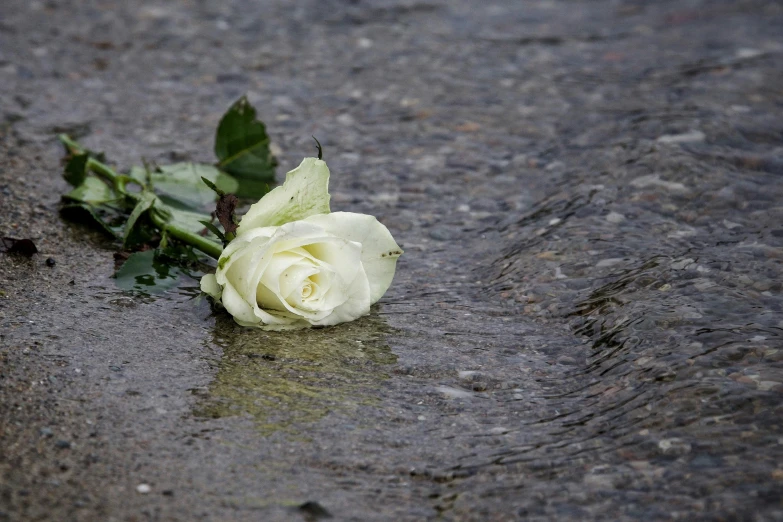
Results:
[295, 264]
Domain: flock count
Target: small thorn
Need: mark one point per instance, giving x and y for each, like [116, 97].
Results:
[320, 150]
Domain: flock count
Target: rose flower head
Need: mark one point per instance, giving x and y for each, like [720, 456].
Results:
[293, 263]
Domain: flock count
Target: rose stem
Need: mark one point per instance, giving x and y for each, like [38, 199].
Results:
[210, 248]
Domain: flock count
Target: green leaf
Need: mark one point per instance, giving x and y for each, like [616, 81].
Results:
[212, 186]
[182, 184]
[187, 220]
[242, 145]
[251, 188]
[215, 230]
[145, 272]
[92, 191]
[145, 202]
[108, 218]
[76, 169]
[140, 175]
[181, 254]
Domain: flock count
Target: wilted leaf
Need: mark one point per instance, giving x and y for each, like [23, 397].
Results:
[224, 211]
[25, 247]
[242, 144]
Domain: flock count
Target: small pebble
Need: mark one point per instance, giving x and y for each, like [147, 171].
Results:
[703, 286]
[654, 180]
[440, 234]
[681, 264]
[769, 385]
[762, 286]
[62, 444]
[126, 302]
[143, 488]
[313, 510]
[674, 446]
[747, 52]
[694, 136]
[454, 393]
[609, 262]
[345, 119]
[50, 261]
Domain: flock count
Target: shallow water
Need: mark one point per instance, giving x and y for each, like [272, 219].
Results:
[586, 322]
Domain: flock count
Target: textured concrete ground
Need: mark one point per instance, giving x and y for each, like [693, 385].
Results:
[587, 322]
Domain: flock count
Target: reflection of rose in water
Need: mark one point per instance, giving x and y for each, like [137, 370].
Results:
[280, 379]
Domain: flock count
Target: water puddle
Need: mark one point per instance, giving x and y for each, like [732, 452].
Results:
[281, 380]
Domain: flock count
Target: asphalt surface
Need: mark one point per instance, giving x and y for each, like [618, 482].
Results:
[587, 322]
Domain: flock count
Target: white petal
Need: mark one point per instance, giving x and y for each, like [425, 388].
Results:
[293, 278]
[293, 325]
[268, 294]
[379, 250]
[339, 254]
[342, 256]
[239, 269]
[268, 300]
[237, 306]
[235, 250]
[243, 267]
[210, 286]
[305, 192]
[357, 304]
[258, 232]
[279, 263]
[276, 322]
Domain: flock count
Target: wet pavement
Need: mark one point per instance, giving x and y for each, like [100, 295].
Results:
[586, 323]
